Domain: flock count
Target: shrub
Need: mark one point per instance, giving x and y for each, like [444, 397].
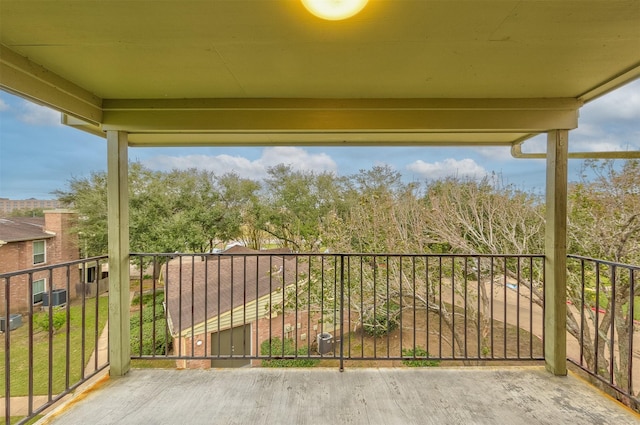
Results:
[418, 362]
[161, 345]
[41, 320]
[147, 315]
[383, 322]
[286, 348]
[149, 299]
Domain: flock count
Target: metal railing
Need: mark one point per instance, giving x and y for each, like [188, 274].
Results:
[283, 309]
[602, 311]
[51, 319]
[299, 309]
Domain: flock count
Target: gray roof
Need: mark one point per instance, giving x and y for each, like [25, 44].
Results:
[211, 285]
[18, 229]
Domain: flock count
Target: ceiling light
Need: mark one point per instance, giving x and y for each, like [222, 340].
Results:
[334, 10]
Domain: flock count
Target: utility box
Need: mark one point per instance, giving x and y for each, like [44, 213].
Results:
[325, 343]
[58, 297]
[15, 321]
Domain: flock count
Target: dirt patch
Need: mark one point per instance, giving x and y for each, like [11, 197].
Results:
[498, 341]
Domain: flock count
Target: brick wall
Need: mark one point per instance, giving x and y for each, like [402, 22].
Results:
[302, 327]
[64, 247]
[60, 248]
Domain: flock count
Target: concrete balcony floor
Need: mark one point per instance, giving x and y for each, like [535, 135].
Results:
[472, 395]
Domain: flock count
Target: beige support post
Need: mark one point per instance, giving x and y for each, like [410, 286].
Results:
[118, 222]
[555, 314]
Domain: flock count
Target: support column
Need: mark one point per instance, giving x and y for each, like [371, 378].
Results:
[118, 225]
[555, 313]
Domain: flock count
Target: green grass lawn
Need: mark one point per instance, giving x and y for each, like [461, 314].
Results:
[16, 419]
[19, 361]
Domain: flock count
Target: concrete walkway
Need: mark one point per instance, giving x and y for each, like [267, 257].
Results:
[510, 396]
[102, 353]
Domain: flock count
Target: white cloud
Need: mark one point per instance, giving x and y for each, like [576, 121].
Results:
[603, 144]
[590, 137]
[609, 123]
[495, 153]
[448, 168]
[297, 158]
[3, 106]
[33, 114]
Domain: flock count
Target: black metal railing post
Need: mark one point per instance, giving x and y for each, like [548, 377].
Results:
[7, 351]
[341, 313]
[630, 315]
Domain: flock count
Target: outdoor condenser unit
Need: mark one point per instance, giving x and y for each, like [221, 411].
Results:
[15, 321]
[58, 297]
[325, 343]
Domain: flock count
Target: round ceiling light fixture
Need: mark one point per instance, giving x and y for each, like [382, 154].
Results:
[334, 10]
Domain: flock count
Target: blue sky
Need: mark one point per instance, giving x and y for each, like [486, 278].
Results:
[38, 155]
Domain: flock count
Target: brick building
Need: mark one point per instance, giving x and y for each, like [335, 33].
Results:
[9, 205]
[33, 242]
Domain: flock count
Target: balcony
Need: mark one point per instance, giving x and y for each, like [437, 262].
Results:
[248, 337]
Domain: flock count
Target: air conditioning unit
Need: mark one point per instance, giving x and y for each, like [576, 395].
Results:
[15, 321]
[58, 297]
[325, 343]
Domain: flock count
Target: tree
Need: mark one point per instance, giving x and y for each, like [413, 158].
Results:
[88, 196]
[387, 216]
[478, 216]
[604, 223]
[240, 199]
[295, 202]
[188, 210]
[604, 213]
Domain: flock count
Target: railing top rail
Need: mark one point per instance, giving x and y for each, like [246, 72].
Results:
[332, 254]
[53, 266]
[607, 262]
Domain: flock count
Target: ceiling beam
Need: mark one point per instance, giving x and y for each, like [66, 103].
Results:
[321, 139]
[309, 116]
[27, 79]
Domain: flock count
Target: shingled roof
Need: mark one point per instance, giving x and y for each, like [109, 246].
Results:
[18, 229]
[200, 288]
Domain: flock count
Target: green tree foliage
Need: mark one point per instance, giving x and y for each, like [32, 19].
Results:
[295, 203]
[383, 215]
[88, 196]
[36, 212]
[182, 210]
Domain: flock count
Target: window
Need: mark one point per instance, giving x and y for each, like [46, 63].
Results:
[91, 274]
[39, 288]
[38, 252]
